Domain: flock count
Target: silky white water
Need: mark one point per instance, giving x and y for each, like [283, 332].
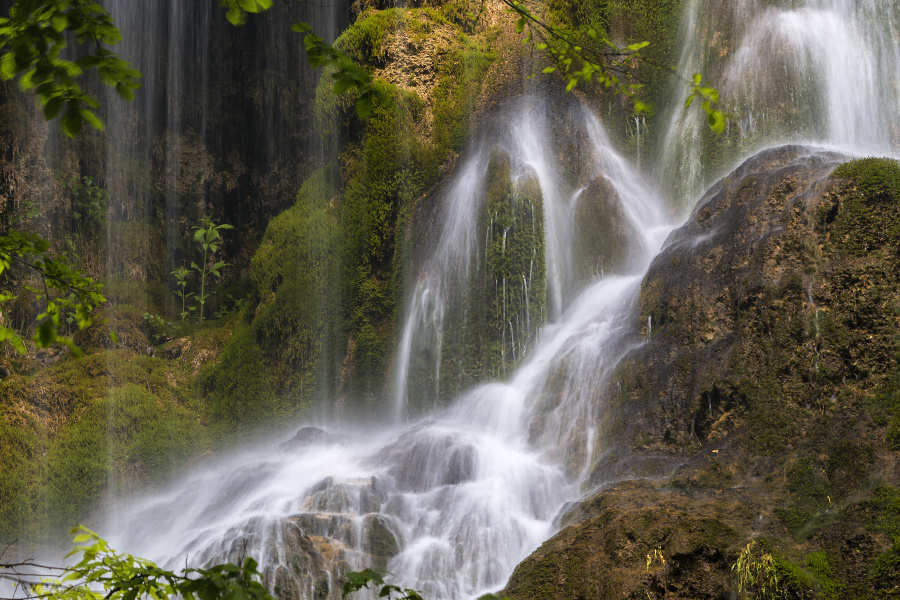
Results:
[825, 72]
[467, 491]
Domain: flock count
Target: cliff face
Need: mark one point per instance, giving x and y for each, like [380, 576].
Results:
[763, 405]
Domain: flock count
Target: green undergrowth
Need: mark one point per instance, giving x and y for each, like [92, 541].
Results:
[72, 433]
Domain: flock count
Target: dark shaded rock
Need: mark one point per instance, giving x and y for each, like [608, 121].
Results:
[603, 232]
[309, 436]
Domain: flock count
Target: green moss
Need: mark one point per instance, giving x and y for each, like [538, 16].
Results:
[363, 41]
[885, 573]
[807, 483]
[98, 448]
[849, 467]
[22, 443]
[515, 291]
[73, 431]
[868, 219]
[873, 177]
[461, 73]
[819, 566]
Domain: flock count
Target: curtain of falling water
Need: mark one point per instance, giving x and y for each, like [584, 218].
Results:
[822, 71]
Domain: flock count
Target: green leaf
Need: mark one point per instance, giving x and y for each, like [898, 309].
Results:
[53, 106]
[46, 334]
[91, 119]
[8, 66]
[697, 78]
[716, 121]
[572, 83]
[364, 106]
[548, 69]
[71, 121]
[9, 335]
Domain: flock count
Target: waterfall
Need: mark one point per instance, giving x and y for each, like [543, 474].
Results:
[497, 387]
[815, 71]
[452, 501]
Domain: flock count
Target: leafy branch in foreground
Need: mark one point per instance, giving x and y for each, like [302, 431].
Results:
[357, 580]
[589, 56]
[104, 574]
[33, 36]
[75, 297]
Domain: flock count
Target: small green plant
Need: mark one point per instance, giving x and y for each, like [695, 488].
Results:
[658, 570]
[757, 572]
[89, 201]
[237, 305]
[160, 329]
[357, 580]
[181, 292]
[207, 235]
[69, 295]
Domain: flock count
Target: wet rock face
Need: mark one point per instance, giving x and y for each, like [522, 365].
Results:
[602, 231]
[768, 380]
[309, 436]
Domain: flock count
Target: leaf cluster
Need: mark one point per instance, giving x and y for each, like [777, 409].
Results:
[582, 57]
[348, 76]
[236, 10]
[69, 294]
[357, 580]
[90, 201]
[34, 38]
[208, 235]
[757, 572]
[709, 98]
[104, 574]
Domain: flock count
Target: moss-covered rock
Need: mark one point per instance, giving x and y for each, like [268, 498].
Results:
[281, 354]
[770, 372]
[603, 232]
[78, 432]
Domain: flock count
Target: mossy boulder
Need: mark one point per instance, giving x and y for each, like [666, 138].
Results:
[768, 371]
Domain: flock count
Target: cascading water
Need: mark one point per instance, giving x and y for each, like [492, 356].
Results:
[819, 71]
[450, 503]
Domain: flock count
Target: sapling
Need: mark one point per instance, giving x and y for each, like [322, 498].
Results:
[181, 274]
[207, 235]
